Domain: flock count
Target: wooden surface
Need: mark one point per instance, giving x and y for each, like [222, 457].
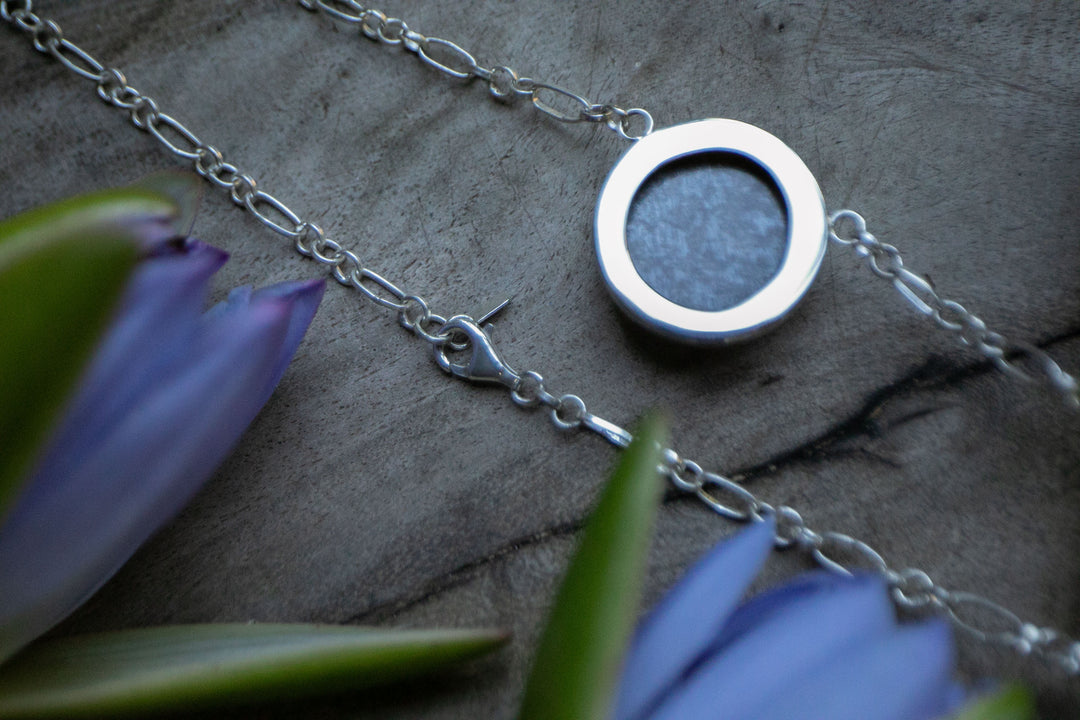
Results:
[373, 489]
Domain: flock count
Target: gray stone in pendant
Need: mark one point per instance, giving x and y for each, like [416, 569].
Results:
[707, 231]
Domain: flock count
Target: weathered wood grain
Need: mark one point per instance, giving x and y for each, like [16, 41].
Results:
[374, 489]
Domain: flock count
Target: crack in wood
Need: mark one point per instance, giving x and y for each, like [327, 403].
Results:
[936, 373]
[462, 574]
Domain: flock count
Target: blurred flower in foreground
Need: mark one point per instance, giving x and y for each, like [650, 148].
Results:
[166, 396]
[821, 646]
[118, 397]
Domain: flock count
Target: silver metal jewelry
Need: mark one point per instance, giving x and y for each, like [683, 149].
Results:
[807, 231]
[463, 348]
[1018, 359]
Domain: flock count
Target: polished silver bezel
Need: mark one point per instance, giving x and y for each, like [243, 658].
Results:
[806, 222]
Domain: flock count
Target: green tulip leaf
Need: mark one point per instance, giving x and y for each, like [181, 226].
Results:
[183, 188]
[196, 667]
[1013, 702]
[581, 649]
[56, 299]
[63, 268]
[124, 210]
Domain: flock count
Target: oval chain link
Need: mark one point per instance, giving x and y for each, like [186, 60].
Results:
[1019, 359]
[503, 83]
[112, 87]
[836, 552]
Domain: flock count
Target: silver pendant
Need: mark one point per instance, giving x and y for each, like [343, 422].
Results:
[807, 232]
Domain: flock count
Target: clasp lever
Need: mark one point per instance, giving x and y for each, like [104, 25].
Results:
[483, 364]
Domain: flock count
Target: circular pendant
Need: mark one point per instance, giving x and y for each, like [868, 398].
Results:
[669, 313]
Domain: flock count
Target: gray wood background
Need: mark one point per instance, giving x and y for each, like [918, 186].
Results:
[373, 489]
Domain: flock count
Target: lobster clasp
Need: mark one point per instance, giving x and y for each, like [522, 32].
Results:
[483, 363]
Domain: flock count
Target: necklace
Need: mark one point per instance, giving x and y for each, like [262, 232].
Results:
[470, 351]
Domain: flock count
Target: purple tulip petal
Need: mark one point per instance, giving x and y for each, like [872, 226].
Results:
[779, 637]
[759, 608]
[902, 675]
[68, 534]
[167, 292]
[155, 233]
[73, 529]
[303, 297]
[687, 619]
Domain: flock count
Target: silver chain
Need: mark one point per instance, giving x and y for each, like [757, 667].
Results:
[462, 346]
[503, 83]
[1019, 359]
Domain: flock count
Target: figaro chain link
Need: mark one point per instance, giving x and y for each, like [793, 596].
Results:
[462, 336]
[503, 83]
[1021, 360]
